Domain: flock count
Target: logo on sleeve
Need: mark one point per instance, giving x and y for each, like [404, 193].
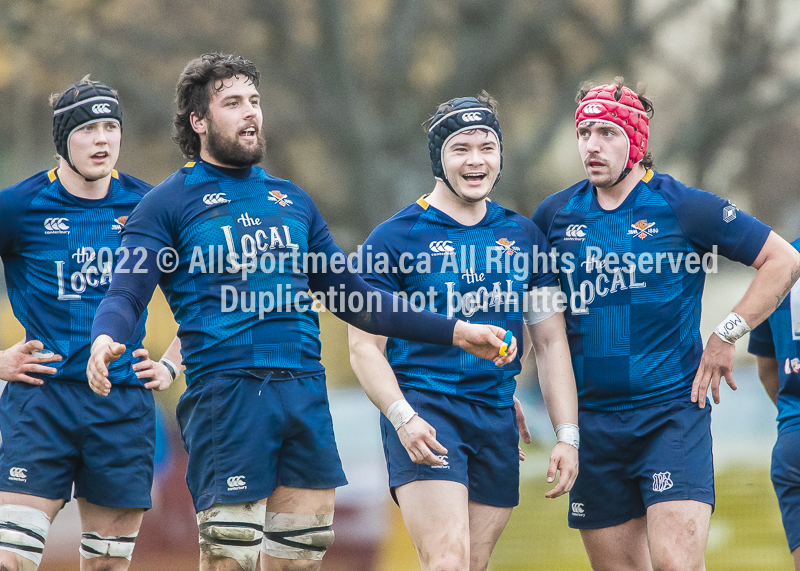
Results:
[56, 226]
[662, 481]
[729, 212]
[279, 197]
[642, 229]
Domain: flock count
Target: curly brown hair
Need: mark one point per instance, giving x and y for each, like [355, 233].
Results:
[200, 78]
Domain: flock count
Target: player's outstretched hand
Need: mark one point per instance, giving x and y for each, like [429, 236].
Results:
[419, 439]
[157, 372]
[563, 459]
[484, 341]
[716, 362]
[104, 352]
[19, 360]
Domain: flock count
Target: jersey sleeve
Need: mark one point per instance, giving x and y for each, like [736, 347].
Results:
[152, 224]
[709, 221]
[542, 274]
[761, 342]
[378, 260]
[320, 240]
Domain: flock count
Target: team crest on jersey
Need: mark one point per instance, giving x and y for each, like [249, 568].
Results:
[120, 222]
[279, 197]
[506, 246]
[576, 232]
[791, 366]
[642, 229]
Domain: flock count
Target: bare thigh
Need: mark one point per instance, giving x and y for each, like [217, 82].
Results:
[436, 514]
[621, 547]
[486, 523]
[677, 532]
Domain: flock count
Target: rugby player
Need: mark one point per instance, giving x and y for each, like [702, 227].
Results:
[776, 345]
[449, 427]
[632, 245]
[263, 463]
[58, 241]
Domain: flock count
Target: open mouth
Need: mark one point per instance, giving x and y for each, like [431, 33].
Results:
[100, 156]
[474, 177]
[249, 133]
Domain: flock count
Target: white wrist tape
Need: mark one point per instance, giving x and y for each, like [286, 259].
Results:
[732, 328]
[400, 412]
[568, 434]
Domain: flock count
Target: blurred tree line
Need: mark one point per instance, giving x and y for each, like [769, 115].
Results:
[346, 85]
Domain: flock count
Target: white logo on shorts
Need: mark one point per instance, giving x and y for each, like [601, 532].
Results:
[662, 481]
[577, 509]
[445, 465]
[18, 474]
[236, 483]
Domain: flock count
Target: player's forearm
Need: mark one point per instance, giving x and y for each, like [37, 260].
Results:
[769, 375]
[554, 364]
[372, 369]
[776, 275]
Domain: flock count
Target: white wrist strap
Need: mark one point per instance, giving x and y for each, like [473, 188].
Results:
[732, 328]
[400, 412]
[568, 434]
[171, 367]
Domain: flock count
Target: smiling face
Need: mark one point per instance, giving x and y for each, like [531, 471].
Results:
[471, 161]
[94, 149]
[604, 152]
[230, 133]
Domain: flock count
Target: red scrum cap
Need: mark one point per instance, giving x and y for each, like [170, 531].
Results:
[600, 105]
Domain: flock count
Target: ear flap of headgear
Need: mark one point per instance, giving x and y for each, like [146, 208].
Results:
[80, 104]
[466, 113]
[628, 114]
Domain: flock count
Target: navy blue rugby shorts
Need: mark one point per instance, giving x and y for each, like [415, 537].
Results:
[630, 460]
[61, 433]
[482, 448]
[785, 476]
[246, 436]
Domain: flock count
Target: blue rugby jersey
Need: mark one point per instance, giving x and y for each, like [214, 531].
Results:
[635, 335]
[472, 263]
[214, 218]
[779, 337]
[58, 253]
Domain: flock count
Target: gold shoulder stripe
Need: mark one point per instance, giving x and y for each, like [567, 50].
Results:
[115, 174]
[189, 165]
[52, 175]
[422, 202]
[647, 176]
